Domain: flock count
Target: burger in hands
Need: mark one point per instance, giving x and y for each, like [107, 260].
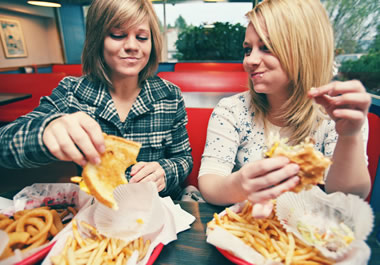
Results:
[312, 163]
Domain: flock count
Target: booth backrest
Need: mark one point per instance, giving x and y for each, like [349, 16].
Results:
[373, 147]
[68, 69]
[197, 130]
[219, 67]
[36, 84]
[208, 81]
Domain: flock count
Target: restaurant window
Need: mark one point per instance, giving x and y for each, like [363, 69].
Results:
[357, 41]
[204, 28]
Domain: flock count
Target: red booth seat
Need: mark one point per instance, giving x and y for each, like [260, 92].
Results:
[197, 130]
[208, 81]
[36, 84]
[373, 147]
[220, 67]
[68, 69]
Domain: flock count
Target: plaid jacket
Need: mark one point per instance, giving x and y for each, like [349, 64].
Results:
[157, 119]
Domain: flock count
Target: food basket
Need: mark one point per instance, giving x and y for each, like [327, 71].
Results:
[173, 218]
[40, 255]
[138, 230]
[36, 257]
[240, 252]
[38, 195]
[333, 223]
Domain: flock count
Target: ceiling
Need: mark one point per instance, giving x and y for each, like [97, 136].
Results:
[87, 2]
[76, 2]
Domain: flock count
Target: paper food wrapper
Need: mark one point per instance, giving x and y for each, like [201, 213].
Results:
[329, 213]
[139, 213]
[161, 219]
[38, 195]
[4, 239]
[47, 194]
[221, 238]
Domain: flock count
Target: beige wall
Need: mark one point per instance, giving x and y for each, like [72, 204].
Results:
[40, 33]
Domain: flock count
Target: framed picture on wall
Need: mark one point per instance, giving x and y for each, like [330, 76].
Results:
[12, 38]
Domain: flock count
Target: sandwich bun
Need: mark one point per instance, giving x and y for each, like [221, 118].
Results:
[312, 163]
[103, 178]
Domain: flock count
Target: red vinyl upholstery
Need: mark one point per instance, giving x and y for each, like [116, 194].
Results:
[220, 67]
[373, 146]
[36, 84]
[197, 130]
[68, 69]
[208, 81]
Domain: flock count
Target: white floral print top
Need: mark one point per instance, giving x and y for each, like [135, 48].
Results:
[233, 139]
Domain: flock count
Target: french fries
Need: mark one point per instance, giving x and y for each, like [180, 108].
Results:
[268, 237]
[97, 249]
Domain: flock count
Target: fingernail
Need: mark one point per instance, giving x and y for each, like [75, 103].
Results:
[295, 167]
[336, 101]
[97, 161]
[313, 91]
[285, 159]
[102, 149]
[83, 162]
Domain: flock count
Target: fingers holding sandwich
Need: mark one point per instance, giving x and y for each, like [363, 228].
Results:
[102, 179]
[272, 192]
[149, 171]
[312, 163]
[74, 137]
[266, 179]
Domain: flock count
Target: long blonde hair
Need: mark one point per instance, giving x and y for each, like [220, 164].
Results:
[102, 16]
[299, 34]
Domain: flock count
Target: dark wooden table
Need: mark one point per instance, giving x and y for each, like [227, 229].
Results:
[6, 98]
[191, 246]
[374, 243]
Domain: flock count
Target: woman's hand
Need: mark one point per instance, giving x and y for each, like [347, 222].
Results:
[346, 103]
[149, 171]
[75, 137]
[266, 179]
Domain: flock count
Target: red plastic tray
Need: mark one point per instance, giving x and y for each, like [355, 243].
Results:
[156, 252]
[40, 255]
[36, 257]
[232, 258]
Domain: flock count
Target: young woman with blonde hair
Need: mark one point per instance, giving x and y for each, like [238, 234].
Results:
[289, 53]
[119, 95]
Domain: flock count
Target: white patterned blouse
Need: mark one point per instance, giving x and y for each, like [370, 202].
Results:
[234, 139]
